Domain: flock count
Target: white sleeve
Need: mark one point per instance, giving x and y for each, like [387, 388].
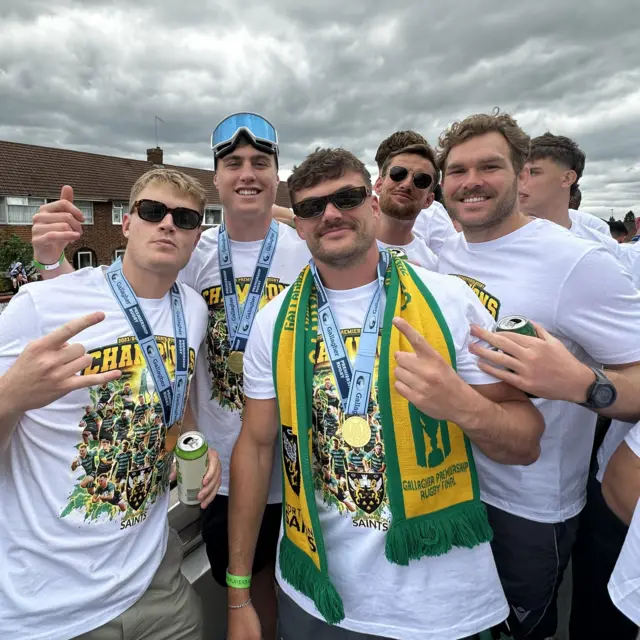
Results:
[633, 439]
[441, 227]
[19, 325]
[467, 363]
[599, 309]
[258, 371]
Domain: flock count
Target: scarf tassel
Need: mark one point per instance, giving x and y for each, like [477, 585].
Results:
[464, 525]
[301, 573]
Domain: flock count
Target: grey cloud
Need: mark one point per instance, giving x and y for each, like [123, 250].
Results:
[92, 75]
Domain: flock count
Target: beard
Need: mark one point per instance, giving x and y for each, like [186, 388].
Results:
[504, 206]
[347, 254]
[400, 211]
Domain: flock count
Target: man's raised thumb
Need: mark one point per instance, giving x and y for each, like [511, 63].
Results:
[66, 193]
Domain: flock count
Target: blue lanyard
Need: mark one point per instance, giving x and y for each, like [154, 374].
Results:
[354, 383]
[240, 319]
[172, 395]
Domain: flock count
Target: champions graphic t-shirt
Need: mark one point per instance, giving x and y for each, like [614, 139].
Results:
[576, 291]
[438, 598]
[417, 252]
[434, 226]
[624, 585]
[217, 397]
[84, 481]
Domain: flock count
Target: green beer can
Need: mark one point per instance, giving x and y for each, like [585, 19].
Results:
[191, 463]
[517, 324]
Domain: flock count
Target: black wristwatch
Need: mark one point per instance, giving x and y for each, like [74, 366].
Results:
[601, 392]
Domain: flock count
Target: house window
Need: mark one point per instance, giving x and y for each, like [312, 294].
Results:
[85, 207]
[118, 209]
[87, 210]
[212, 215]
[118, 253]
[84, 259]
[22, 210]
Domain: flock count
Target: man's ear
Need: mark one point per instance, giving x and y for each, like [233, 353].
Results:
[377, 185]
[570, 177]
[126, 225]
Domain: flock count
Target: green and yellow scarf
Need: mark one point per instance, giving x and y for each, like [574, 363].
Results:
[431, 478]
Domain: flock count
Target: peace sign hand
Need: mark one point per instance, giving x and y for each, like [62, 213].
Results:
[46, 370]
[427, 381]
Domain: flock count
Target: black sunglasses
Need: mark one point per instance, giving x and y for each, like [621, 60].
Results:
[342, 199]
[153, 211]
[420, 180]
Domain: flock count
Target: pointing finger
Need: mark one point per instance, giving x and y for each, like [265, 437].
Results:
[416, 340]
[63, 334]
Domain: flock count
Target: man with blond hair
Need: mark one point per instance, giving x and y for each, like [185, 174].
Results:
[89, 553]
[530, 267]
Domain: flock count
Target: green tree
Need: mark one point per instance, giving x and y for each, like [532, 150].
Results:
[12, 249]
[630, 222]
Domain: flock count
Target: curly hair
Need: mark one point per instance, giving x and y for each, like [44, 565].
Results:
[481, 124]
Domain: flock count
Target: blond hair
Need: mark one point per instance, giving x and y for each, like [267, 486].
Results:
[481, 124]
[177, 180]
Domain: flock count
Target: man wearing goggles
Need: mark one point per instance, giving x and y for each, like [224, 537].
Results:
[261, 259]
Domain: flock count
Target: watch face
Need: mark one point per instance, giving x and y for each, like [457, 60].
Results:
[604, 396]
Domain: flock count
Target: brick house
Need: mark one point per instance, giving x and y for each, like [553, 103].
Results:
[31, 175]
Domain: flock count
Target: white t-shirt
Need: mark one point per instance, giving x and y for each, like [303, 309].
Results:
[218, 397]
[589, 220]
[614, 436]
[434, 226]
[624, 585]
[581, 227]
[439, 598]
[416, 252]
[69, 564]
[630, 258]
[577, 291]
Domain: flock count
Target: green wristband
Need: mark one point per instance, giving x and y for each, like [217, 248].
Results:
[238, 582]
[48, 267]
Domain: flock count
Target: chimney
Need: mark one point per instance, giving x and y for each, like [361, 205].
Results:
[155, 156]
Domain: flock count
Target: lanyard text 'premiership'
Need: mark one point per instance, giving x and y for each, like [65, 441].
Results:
[172, 396]
[240, 319]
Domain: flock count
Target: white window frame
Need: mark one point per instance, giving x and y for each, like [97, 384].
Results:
[87, 210]
[213, 209]
[3, 211]
[118, 253]
[84, 253]
[31, 206]
[86, 206]
[118, 209]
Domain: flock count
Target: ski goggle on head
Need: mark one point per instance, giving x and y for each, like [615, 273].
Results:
[259, 132]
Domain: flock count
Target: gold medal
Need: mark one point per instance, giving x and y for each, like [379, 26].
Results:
[234, 362]
[356, 431]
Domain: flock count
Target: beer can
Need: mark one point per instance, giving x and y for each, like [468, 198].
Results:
[517, 324]
[191, 463]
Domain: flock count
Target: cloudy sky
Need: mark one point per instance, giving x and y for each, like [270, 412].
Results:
[91, 75]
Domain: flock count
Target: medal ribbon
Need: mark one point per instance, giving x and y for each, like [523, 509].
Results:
[240, 319]
[172, 395]
[354, 382]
